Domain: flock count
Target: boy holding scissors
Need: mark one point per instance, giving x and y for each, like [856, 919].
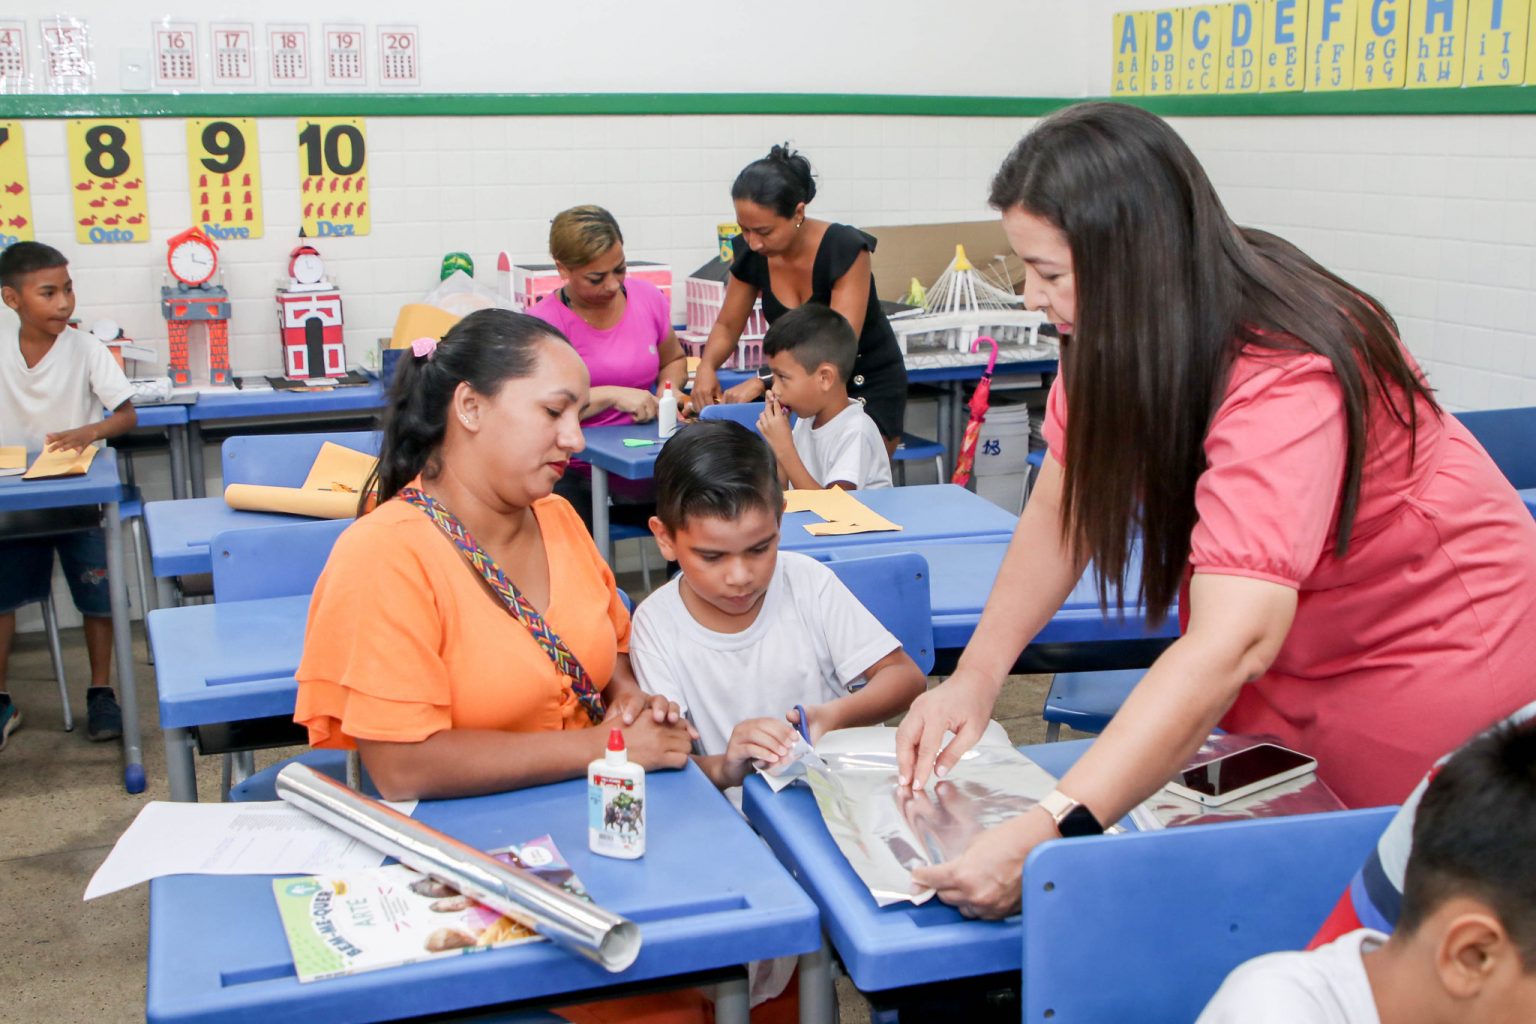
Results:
[753, 643]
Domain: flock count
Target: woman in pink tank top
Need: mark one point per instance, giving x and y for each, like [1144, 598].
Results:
[1352, 573]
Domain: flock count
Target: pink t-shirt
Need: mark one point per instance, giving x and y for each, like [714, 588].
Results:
[1421, 635]
[626, 355]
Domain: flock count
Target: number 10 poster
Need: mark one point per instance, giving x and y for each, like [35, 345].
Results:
[333, 176]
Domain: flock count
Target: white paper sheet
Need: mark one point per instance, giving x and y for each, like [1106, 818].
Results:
[261, 838]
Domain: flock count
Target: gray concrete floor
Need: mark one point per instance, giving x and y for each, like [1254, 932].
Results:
[62, 806]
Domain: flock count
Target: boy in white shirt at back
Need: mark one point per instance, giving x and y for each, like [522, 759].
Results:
[811, 351]
[55, 381]
[745, 633]
[1464, 950]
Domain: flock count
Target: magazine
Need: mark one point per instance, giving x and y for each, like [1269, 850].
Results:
[394, 915]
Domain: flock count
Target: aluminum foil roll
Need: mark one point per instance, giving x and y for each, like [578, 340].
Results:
[577, 925]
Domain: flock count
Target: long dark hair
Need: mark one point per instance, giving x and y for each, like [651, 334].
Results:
[484, 350]
[1169, 290]
[780, 181]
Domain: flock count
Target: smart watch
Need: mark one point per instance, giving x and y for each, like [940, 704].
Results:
[1071, 818]
[765, 375]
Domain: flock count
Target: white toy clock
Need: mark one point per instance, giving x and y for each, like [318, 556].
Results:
[306, 269]
[193, 258]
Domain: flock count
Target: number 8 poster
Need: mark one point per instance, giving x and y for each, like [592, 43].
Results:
[333, 176]
[224, 171]
[106, 169]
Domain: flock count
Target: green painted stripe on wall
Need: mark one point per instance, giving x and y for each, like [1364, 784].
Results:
[1400, 102]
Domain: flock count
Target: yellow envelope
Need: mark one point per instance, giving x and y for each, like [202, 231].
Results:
[297, 501]
[13, 460]
[339, 468]
[844, 514]
[56, 464]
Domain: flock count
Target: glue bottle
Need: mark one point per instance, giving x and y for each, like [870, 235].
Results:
[616, 803]
[666, 411]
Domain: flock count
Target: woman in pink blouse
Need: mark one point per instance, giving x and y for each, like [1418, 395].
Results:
[1353, 573]
[623, 332]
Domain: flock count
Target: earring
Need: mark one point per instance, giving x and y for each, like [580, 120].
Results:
[798, 223]
[464, 419]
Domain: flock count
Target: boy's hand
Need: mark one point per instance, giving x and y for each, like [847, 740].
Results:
[773, 424]
[817, 720]
[757, 739]
[77, 440]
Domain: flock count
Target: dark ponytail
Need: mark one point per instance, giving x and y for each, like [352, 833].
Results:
[780, 181]
[484, 350]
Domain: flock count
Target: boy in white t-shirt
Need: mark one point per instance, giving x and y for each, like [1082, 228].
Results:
[1464, 950]
[55, 380]
[746, 633]
[811, 351]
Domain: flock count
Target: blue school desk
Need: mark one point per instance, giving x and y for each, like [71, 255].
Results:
[708, 896]
[101, 487]
[221, 406]
[217, 663]
[885, 948]
[926, 513]
[606, 452]
[960, 576]
[173, 419]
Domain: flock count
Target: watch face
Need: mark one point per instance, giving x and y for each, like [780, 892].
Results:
[192, 262]
[1079, 821]
[308, 269]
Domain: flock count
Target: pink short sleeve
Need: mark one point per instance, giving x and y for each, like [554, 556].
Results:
[1275, 456]
[1055, 427]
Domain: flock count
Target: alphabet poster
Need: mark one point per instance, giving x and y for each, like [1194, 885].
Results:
[1242, 30]
[1200, 52]
[1285, 36]
[1331, 45]
[1437, 32]
[1130, 64]
[1495, 32]
[1166, 30]
[1381, 45]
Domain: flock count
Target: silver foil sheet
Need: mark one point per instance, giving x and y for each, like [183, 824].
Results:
[885, 830]
[575, 924]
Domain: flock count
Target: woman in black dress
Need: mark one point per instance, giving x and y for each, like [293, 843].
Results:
[790, 259]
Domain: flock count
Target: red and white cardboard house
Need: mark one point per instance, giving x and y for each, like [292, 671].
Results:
[309, 323]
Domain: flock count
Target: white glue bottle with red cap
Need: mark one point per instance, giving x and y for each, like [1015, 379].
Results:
[616, 803]
[666, 411]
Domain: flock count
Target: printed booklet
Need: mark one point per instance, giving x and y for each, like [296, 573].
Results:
[393, 915]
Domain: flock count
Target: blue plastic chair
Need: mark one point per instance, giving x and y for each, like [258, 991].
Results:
[626, 531]
[1146, 926]
[913, 447]
[284, 460]
[272, 561]
[1086, 701]
[894, 587]
[1509, 437]
[745, 413]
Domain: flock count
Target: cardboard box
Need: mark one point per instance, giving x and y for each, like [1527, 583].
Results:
[924, 250]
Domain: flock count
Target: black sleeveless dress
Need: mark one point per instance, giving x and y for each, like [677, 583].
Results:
[879, 373]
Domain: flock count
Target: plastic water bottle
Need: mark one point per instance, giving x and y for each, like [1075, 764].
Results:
[616, 803]
[666, 412]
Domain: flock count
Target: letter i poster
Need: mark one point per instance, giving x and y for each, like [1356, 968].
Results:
[1496, 31]
[15, 191]
[224, 172]
[333, 176]
[106, 170]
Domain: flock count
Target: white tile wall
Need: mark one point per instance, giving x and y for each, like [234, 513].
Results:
[1436, 216]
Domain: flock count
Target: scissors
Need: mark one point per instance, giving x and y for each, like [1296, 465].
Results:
[802, 726]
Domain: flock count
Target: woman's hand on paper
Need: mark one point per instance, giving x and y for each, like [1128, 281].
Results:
[986, 880]
[962, 705]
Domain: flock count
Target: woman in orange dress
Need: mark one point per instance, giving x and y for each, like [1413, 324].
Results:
[412, 653]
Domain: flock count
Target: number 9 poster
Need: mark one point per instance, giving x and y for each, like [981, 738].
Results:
[224, 170]
[333, 173]
[106, 164]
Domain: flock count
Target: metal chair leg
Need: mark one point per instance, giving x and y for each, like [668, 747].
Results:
[136, 528]
[56, 652]
[1052, 732]
[645, 564]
